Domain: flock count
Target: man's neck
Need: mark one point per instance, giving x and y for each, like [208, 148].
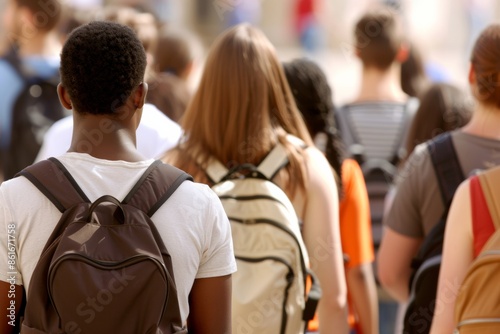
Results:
[381, 85]
[44, 44]
[104, 138]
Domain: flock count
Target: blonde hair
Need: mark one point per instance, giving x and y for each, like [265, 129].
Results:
[242, 108]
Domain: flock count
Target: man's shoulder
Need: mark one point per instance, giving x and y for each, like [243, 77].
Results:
[19, 191]
[195, 193]
[379, 104]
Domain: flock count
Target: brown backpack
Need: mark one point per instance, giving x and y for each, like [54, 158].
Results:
[477, 308]
[105, 268]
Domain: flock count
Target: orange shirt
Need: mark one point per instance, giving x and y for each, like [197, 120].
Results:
[355, 225]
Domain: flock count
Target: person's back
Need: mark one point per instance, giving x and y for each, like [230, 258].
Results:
[31, 28]
[197, 235]
[374, 125]
[241, 111]
[418, 204]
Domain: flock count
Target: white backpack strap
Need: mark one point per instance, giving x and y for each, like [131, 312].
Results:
[273, 162]
[277, 158]
[215, 170]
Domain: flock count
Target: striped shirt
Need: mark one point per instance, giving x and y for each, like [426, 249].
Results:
[379, 127]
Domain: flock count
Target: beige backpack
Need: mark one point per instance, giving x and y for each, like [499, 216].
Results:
[270, 294]
[477, 308]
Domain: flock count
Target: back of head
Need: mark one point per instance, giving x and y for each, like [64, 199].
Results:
[169, 94]
[176, 51]
[485, 61]
[414, 79]
[312, 93]
[101, 64]
[378, 37]
[243, 99]
[144, 24]
[46, 13]
[314, 99]
[443, 107]
[243, 107]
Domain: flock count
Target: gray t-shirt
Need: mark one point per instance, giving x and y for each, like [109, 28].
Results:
[418, 205]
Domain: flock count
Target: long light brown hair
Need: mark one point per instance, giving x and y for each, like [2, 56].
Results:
[242, 108]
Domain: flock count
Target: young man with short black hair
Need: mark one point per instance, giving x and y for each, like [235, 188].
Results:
[102, 81]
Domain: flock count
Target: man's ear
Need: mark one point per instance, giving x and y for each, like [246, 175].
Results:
[140, 95]
[64, 97]
[403, 53]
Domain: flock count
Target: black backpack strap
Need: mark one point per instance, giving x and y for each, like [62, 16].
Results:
[446, 165]
[55, 182]
[155, 187]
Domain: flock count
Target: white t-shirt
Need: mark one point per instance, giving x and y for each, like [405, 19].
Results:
[192, 222]
[156, 134]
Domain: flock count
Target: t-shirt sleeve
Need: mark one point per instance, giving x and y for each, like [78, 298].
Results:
[8, 245]
[218, 255]
[404, 216]
[355, 229]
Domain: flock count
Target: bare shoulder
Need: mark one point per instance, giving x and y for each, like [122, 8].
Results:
[319, 171]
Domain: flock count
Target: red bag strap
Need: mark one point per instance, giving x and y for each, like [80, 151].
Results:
[482, 223]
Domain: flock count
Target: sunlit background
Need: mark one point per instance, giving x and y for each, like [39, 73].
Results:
[442, 30]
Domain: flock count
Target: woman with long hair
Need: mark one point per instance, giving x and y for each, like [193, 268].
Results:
[471, 235]
[241, 110]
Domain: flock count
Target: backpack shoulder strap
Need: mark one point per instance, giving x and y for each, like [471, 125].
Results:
[490, 181]
[55, 182]
[277, 158]
[155, 187]
[483, 223]
[215, 171]
[273, 162]
[446, 165]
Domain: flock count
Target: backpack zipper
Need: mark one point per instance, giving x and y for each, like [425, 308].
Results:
[251, 198]
[281, 227]
[289, 278]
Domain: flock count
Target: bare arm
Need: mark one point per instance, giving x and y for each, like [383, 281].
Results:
[322, 239]
[7, 297]
[210, 306]
[455, 260]
[363, 293]
[394, 258]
